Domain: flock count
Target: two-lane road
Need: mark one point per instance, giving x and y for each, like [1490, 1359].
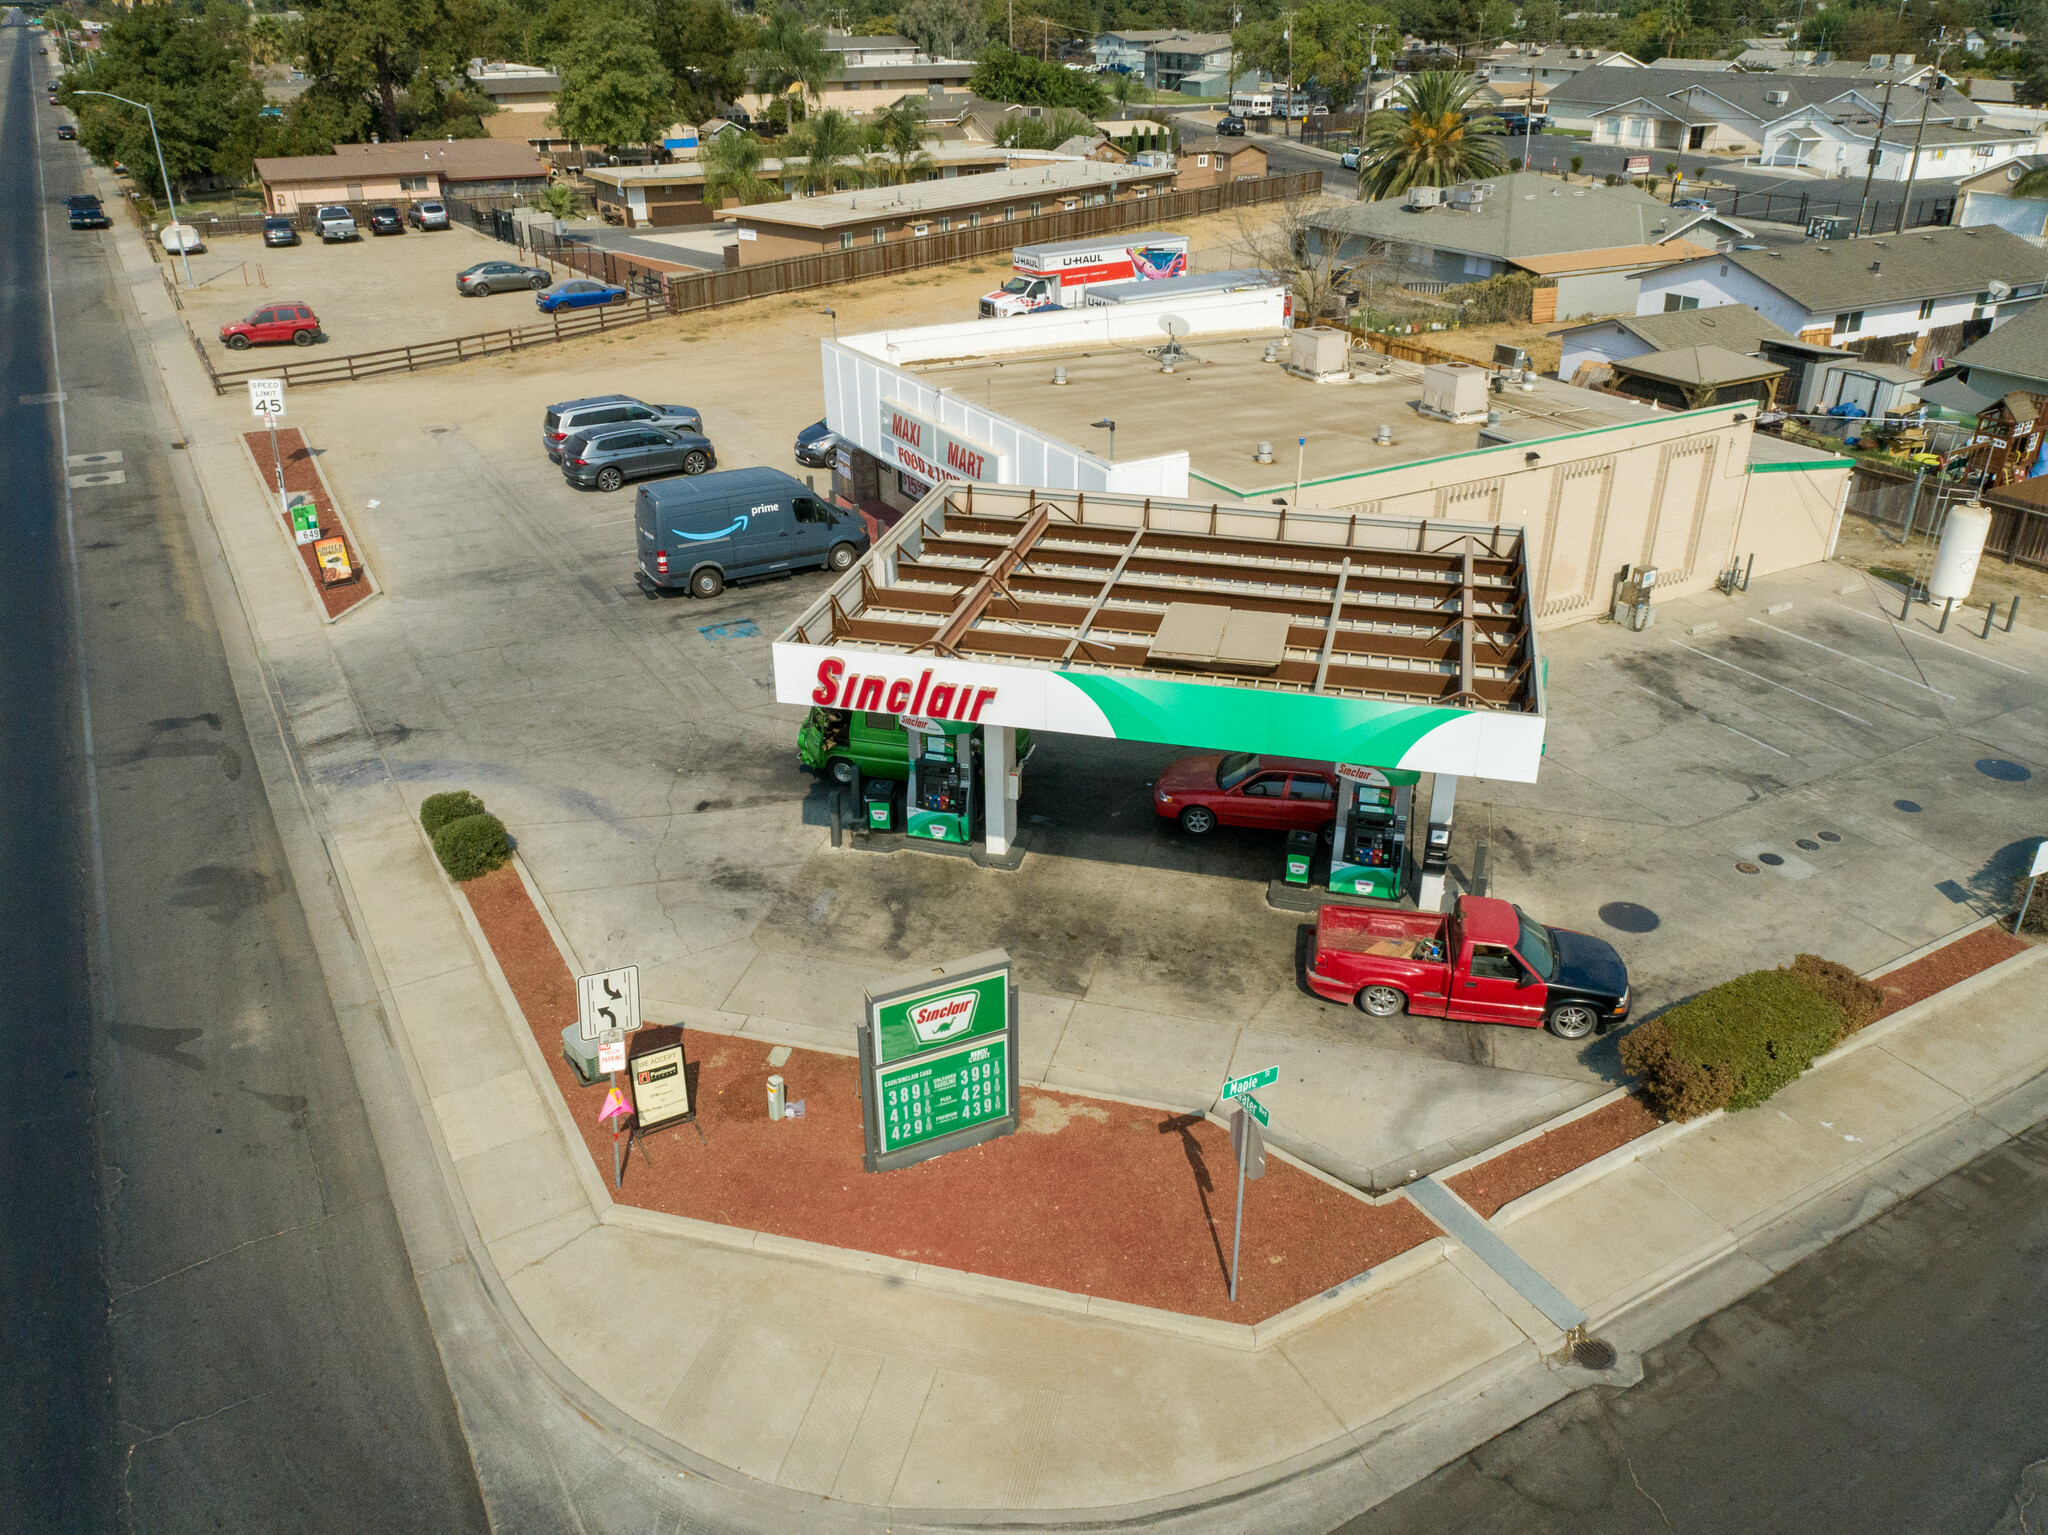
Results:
[207, 1314]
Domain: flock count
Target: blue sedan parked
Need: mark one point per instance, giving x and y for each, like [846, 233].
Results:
[578, 293]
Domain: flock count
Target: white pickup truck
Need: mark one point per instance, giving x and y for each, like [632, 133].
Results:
[336, 223]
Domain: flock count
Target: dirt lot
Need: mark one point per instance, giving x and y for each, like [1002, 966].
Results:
[1873, 547]
[369, 293]
[1477, 341]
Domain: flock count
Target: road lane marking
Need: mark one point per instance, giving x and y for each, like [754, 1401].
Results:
[1900, 629]
[1817, 645]
[1696, 709]
[1859, 719]
[85, 481]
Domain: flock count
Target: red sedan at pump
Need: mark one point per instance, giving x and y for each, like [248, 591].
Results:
[1245, 789]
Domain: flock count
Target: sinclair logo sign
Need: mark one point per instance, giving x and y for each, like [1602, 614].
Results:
[941, 1012]
[921, 447]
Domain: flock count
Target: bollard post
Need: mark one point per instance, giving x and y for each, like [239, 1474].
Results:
[837, 819]
[1746, 569]
[1948, 606]
[2012, 613]
[1990, 613]
[1906, 607]
[1479, 874]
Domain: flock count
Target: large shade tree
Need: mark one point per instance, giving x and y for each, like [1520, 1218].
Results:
[1435, 138]
[194, 73]
[615, 88]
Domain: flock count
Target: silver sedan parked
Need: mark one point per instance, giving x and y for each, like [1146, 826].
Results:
[499, 277]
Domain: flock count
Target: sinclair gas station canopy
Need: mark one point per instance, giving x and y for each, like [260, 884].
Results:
[1397, 643]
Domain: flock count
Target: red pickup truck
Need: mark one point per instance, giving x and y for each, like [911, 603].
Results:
[1486, 962]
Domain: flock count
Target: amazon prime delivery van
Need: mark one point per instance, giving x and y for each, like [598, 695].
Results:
[698, 533]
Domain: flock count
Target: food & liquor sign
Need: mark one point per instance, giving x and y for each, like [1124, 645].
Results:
[938, 1056]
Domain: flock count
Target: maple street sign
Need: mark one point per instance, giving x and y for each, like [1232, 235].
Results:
[1237, 1087]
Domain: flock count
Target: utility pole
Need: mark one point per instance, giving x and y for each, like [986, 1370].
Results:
[1926, 96]
[1876, 149]
[1287, 117]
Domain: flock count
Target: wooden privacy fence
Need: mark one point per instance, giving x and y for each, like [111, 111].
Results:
[711, 290]
[428, 354]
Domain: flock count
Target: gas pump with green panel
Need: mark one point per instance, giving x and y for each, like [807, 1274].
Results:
[1370, 853]
[945, 780]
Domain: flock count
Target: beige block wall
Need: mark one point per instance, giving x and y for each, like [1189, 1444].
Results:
[1674, 492]
[365, 189]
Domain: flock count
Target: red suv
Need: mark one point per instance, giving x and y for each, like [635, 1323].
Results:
[1241, 789]
[278, 322]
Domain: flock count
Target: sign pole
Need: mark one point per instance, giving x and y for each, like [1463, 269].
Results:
[277, 460]
[1237, 1230]
[612, 1079]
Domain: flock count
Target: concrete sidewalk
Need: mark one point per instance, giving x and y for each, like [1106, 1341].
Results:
[787, 1375]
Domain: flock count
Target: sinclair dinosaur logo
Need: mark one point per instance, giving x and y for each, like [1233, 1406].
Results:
[944, 1018]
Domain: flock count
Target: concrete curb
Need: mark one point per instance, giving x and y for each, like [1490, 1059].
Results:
[1570, 1116]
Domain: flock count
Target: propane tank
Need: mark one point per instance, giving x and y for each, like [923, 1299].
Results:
[1962, 543]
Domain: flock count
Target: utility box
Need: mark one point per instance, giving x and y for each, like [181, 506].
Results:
[1301, 852]
[1633, 591]
[1320, 353]
[1454, 391]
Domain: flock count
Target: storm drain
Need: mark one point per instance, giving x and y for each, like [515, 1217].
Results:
[1745, 867]
[1594, 1354]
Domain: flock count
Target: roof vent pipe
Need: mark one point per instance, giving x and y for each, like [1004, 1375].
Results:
[1385, 437]
[1059, 375]
[1264, 455]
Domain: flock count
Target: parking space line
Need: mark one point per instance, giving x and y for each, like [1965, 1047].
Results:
[1859, 719]
[1817, 645]
[1900, 629]
[1695, 709]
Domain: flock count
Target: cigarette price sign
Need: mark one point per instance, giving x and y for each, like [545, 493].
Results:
[939, 1061]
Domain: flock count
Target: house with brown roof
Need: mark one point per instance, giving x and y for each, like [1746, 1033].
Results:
[1214, 162]
[399, 173]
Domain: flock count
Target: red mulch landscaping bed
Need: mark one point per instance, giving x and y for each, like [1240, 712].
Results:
[1090, 1197]
[300, 474]
[1953, 962]
[1549, 1156]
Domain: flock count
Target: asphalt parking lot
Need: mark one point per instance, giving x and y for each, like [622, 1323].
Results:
[635, 750]
[370, 293]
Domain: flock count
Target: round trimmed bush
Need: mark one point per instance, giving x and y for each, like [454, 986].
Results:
[472, 846]
[437, 810]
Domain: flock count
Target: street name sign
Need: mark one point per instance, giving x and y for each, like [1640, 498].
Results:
[938, 1061]
[1237, 1087]
[610, 999]
[1257, 1109]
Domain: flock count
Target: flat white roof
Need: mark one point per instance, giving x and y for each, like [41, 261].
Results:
[1052, 179]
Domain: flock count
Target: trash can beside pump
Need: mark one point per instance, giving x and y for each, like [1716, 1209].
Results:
[883, 797]
[1301, 852]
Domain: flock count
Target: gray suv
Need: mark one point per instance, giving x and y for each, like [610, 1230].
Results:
[499, 277]
[607, 458]
[610, 410]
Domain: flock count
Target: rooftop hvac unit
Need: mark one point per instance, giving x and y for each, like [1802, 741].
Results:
[1880, 60]
[1469, 196]
[1454, 391]
[1320, 354]
[1424, 197]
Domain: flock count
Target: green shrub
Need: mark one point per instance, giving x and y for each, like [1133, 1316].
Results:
[472, 846]
[1859, 1000]
[1733, 1046]
[2037, 908]
[437, 810]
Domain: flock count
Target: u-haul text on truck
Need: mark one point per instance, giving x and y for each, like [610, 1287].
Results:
[1055, 276]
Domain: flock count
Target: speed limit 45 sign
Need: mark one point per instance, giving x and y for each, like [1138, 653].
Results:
[266, 396]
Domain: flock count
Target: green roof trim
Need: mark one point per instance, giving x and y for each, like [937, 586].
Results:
[1787, 466]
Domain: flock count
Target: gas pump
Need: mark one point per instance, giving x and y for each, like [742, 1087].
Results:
[945, 780]
[1370, 854]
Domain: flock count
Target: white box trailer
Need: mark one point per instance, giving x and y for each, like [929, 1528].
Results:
[1055, 276]
[1234, 281]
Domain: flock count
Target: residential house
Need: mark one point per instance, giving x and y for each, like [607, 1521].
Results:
[859, 52]
[1093, 146]
[863, 88]
[807, 226]
[1211, 162]
[2001, 178]
[1896, 298]
[524, 95]
[400, 173]
[1514, 63]
[1838, 141]
[965, 117]
[2012, 359]
[1732, 327]
[1663, 108]
[1973, 41]
[1124, 51]
[1171, 60]
[1440, 237]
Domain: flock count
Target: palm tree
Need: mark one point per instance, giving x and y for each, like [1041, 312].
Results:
[2033, 184]
[1434, 138]
[898, 133]
[789, 54]
[732, 169]
[827, 152]
[1677, 21]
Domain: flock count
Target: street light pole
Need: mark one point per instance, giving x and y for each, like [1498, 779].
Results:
[184, 261]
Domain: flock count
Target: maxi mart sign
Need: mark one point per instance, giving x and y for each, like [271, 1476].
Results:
[1480, 743]
[920, 446]
[938, 1061]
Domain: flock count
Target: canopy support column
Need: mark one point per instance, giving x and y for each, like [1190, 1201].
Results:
[999, 810]
[1443, 796]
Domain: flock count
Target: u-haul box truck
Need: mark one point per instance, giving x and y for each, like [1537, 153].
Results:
[1056, 276]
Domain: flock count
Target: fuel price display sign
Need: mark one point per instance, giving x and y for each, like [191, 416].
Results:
[938, 1055]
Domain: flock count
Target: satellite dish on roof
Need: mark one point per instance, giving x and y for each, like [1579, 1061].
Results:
[1174, 325]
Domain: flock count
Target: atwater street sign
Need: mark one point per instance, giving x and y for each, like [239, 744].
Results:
[1256, 1108]
[1237, 1087]
[938, 1059]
